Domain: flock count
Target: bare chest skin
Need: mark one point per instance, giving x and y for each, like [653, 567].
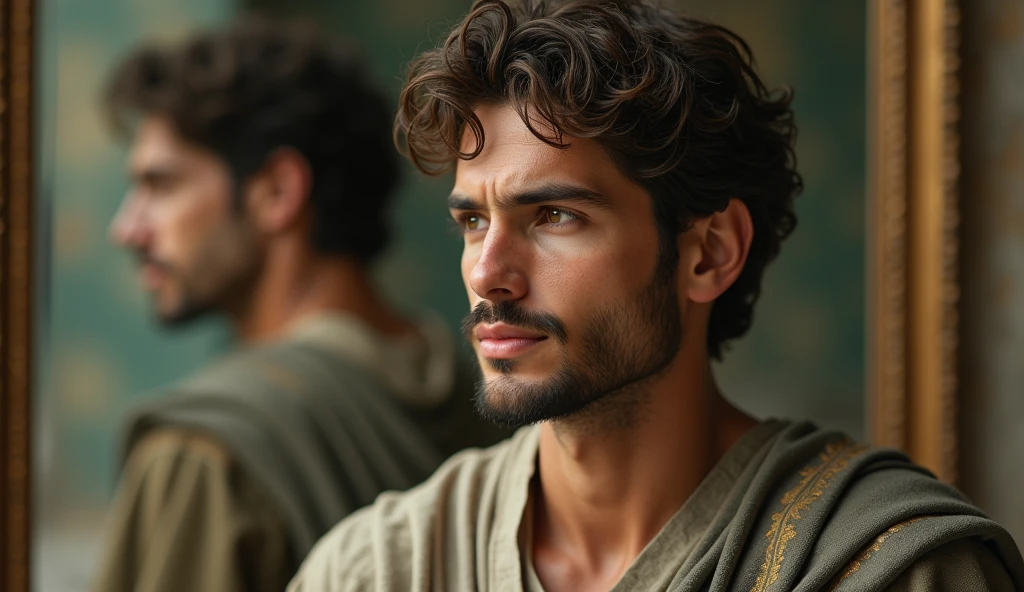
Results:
[560, 573]
[562, 565]
[567, 559]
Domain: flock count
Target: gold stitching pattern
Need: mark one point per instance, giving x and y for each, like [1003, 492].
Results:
[814, 482]
[871, 549]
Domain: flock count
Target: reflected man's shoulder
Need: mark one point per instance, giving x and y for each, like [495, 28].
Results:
[171, 445]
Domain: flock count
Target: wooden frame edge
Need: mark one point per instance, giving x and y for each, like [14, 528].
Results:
[16, 290]
[913, 222]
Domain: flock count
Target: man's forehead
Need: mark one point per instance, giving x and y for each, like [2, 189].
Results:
[513, 157]
[156, 145]
[505, 131]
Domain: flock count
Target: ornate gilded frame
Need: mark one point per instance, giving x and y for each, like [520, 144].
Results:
[16, 236]
[913, 171]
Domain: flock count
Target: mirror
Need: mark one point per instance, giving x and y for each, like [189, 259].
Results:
[834, 308]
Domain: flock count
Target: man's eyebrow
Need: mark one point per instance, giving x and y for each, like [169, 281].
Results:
[556, 192]
[457, 201]
[151, 174]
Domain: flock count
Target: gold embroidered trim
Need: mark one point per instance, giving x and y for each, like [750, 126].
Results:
[871, 549]
[814, 482]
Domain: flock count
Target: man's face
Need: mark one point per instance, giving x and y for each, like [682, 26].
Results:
[197, 253]
[572, 298]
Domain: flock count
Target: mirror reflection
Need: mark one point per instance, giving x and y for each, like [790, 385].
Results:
[176, 238]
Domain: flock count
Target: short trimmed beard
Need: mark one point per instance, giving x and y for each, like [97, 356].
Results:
[220, 278]
[621, 346]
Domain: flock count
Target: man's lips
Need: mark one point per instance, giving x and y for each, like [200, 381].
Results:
[501, 341]
[152, 276]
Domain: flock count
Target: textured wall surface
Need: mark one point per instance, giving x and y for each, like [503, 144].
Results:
[992, 203]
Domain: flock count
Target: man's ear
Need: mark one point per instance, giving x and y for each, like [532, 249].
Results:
[716, 248]
[277, 194]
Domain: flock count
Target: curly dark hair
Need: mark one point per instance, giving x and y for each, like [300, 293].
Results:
[674, 100]
[257, 86]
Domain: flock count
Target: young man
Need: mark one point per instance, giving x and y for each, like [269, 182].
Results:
[261, 171]
[622, 178]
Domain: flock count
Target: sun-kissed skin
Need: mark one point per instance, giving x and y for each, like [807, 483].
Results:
[605, 488]
[179, 217]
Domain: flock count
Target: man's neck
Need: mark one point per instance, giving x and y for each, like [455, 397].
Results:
[292, 289]
[603, 494]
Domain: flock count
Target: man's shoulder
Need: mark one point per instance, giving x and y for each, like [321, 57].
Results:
[279, 382]
[171, 441]
[456, 503]
[279, 367]
[222, 415]
[175, 446]
[963, 564]
[168, 461]
[881, 515]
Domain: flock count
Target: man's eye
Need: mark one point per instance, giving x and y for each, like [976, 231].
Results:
[159, 186]
[557, 216]
[473, 222]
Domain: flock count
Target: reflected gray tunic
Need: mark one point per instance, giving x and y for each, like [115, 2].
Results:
[229, 481]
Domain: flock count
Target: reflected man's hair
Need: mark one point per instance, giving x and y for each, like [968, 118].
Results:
[257, 86]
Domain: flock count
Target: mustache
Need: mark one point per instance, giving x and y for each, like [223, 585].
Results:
[143, 258]
[514, 314]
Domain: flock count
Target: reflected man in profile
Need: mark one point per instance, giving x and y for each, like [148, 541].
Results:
[261, 172]
[622, 178]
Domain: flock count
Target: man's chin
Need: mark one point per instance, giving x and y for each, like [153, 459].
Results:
[505, 409]
[515, 401]
[527, 373]
[496, 367]
[181, 316]
[532, 367]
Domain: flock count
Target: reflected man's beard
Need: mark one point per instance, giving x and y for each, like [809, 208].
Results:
[221, 280]
[187, 309]
[620, 346]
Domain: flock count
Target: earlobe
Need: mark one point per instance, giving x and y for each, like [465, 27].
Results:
[724, 241]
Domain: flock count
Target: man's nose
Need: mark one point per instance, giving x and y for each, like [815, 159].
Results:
[129, 227]
[498, 274]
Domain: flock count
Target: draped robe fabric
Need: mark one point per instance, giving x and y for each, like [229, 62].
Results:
[789, 507]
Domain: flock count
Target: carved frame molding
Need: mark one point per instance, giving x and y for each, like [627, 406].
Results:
[16, 288]
[913, 222]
